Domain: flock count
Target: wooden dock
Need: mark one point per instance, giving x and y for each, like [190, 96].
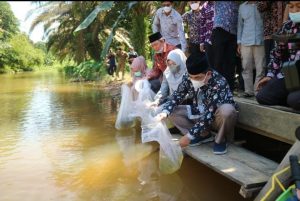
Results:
[244, 167]
[275, 122]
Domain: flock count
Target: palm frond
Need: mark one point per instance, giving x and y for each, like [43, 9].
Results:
[101, 7]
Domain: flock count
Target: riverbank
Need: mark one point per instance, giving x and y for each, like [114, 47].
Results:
[110, 85]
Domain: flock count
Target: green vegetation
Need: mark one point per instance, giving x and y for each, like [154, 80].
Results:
[17, 51]
[79, 35]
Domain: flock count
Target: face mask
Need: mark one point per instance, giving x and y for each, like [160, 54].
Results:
[138, 74]
[295, 17]
[174, 68]
[197, 84]
[167, 9]
[194, 6]
[159, 51]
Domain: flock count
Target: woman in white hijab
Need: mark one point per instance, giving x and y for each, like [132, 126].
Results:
[172, 76]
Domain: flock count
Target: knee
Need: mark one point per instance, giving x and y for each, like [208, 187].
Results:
[260, 97]
[293, 100]
[228, 112]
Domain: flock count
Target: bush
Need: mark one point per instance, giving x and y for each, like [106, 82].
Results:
[87, 71]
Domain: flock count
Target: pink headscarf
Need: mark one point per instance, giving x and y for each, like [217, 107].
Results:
[138, 64]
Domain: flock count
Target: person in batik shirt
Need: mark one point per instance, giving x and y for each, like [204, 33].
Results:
[213, 106]
[192, 19]
[272, 89]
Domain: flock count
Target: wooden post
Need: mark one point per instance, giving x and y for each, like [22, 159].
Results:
[286, 177]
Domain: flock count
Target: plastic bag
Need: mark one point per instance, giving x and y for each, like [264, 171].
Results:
[143, 87]
[170, 155]
[125, 119]
[145, 96]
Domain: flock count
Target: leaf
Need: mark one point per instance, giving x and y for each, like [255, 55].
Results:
[101, 7]
[111, 35]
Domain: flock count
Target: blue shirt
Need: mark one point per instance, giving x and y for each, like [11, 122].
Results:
[250, 25]
[226, 16]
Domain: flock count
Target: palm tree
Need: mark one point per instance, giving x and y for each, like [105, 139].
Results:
[61, 39]
[141, 14]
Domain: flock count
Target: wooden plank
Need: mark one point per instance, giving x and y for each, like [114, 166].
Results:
[267, 121]
[240, 165]
[284, 178]
[278, 107]
[264, 133]
[249, 192]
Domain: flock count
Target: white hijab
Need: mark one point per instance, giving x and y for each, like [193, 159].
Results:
[174, 80]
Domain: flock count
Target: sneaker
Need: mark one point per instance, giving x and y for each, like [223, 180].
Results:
[221, 148]
[201, 140]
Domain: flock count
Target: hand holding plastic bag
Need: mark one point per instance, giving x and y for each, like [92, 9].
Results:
[153, 129]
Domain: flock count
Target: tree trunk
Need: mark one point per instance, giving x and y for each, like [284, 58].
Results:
[80, 53]
[139, 34]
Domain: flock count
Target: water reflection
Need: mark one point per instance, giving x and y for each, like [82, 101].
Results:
[58, 142]
[151, 184]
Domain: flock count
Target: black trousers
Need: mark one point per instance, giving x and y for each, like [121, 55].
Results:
[224, 52]
[209, 54]
[194, 48]
[275, 93]
[238, 71]
[112, 69]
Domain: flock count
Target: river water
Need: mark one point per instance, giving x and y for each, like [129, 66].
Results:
[58, 142]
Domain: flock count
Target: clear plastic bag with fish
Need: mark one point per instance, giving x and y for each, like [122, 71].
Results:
[125, 119]
[170, 155]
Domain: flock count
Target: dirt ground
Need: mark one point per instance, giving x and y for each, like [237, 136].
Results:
[111, 85]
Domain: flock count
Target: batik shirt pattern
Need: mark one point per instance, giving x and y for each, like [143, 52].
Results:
[206, 100]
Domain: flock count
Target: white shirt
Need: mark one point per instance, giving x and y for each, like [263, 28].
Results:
[170, 26]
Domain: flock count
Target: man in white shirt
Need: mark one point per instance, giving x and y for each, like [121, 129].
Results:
[169, 23]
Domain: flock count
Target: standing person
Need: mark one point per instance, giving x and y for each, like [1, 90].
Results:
[224, 39]
[250, 45]
[169, 23]
[192, 19]
[162, 50]
[272, 89]
[206, 27]
[272, 13]
[112, 63]
[213, 106]
[121, 57]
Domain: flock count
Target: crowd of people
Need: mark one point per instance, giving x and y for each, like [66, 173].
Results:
[194, 78]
